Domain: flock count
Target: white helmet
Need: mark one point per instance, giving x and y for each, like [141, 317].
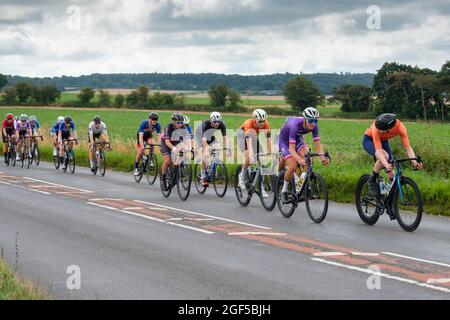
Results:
[60, 119]
[259, 115]
[215, 116]
[186, 119]
[23, 117]
[311, 113]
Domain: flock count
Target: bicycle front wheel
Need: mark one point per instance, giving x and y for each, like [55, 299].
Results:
[220, 180]
[184, 181]
[316, 197]
[152, 169]
[407, 204]
[267, 194]
[36, 155]
[102, 163]
[71, 160]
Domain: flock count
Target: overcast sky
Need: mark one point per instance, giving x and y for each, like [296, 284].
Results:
[52, 37]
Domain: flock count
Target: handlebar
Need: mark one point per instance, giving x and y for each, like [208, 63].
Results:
[67, 141]
[418, 159]
[323, 154]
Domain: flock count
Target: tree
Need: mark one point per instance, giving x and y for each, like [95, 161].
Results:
[218, 95]
[354, 98]
[301, 93]
[45, 95]
[132, 99]
[86, 94]
[443, 82]
[3, 81]
[23, 91]
[234, 98]
[424, 82]
[119, 100]
[104, 98]
[142, 97]
[9, 97]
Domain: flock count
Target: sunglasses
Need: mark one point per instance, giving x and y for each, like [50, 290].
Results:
[313, 121]
[179, 122]
[216, 121]
[261, 121]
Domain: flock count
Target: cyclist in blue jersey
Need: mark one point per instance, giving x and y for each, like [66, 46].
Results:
[54, 134]
[145, 136]
[67, 131]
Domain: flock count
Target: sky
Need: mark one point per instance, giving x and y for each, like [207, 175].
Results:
[54, 37]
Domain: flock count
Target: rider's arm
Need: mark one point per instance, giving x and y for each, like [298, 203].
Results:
[378, 148]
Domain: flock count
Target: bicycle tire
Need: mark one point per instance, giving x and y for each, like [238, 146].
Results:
[197, 177]
[288, 209]
[238, 191]
[311, 195]
[166, 193]
[269, 205]
[71, 160]
[152, 169]
[184, 171]
[418, 196]
[360, 198]
[102, 163]
[224, 175]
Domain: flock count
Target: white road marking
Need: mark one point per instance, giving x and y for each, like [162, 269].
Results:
[60, 185]
[443, 280]
[204, 215]
[70, 192]
[105, 199]
[102, 206]
[365, 254]
[381, 274]
[189, 219]
[417, 259]
[159, 209]
[329, 254]
[134, 208]
[256, 233]
[190, 228]
[22, 187]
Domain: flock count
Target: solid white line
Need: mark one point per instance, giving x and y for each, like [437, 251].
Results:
[190, 228]
[189, 219]
[416, 259]
[381, 274]
[256, 233]
[70, 192]
[55, 184]
[205, 215]
[105, 199]
[142, 216]
[365, 254]
[329, 254]
[22, 187]
[102, 206]
[443, 280]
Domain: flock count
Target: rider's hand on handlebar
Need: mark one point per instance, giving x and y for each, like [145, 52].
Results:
[417, 165]
[388, 167]
[174, 150]
[324, 160]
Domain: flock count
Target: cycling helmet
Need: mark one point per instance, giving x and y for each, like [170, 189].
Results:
[186, 120]
[177, 117]
[68, 119]
[215, 116]
[16, 118]
[259, 115]
[386, 121]
[32, 118]
[9, 116]
[23, 117]
[311, 113]
[97, 119]
[60, 119]
[153, 116]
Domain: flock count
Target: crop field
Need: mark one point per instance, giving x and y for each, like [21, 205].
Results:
[342, 138]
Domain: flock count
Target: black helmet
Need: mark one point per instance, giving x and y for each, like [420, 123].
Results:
[385, 121]
[68, 119]
[177, 117]
[153, 116]
[97, 119]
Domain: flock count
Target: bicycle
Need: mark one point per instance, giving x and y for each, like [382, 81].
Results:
[35, 154]
[256, 181]
[24, 155]
[100, 157]
[313, 192]
[10, 155]
[216, 172]
[69, 155]
[179, 175]
[395, 198]
[148, 164]
[56, 161]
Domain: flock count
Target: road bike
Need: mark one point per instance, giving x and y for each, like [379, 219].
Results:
[400, 198]
[69, 155]
[258, 179]
[35, 154]
[24, 154]
[148, 164]
[216, 173]
[10, 155]
[179, 175]
[313, 191]
[100, 157]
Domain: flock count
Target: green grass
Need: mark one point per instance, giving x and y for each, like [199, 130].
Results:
[14, 288]
[342, 138]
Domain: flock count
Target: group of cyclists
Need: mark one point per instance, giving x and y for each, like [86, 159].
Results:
[178, 137]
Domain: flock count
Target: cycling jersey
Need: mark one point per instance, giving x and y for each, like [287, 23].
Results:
[8, 125]
[250, 124]
[55, 127]
[23, 127]
[206, 130]
[35, 126]
[378, 137]
[146, 127]
[9, 128]
[175, 136]
[96, 131]
[66, 131]
[292, 133]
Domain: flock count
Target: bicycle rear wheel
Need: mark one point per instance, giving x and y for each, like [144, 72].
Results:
[407, 204]
[316, 197]
[184, 181]
[366, 204]
[152, 169]
[287, 209]
[138, 177]
[197, 177]
[168, 181]
[267, 192]
[220, 180]
[102, 163]
[243, 196]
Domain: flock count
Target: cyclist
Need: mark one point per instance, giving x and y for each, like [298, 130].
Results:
[23, 130]
[8, 132]
[67, 131]
[293, 148]
[174, 134]
[190, 131]
[247, 137]
[54, 134]
[204, 136]
[35, 129]
[145, 136]
[96, 131]
[375, 142]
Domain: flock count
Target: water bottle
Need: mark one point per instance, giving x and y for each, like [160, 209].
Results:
[252, 174]
[299, 181]
[383, 187]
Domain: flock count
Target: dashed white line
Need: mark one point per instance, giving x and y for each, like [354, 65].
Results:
[439, 281]
[204, 215]
[416, 259]
[381, 274]
[256, 233]
[365, 254]
[22, 187]
[60, 185]
[190, 228]
[329, 254]
[105, 199]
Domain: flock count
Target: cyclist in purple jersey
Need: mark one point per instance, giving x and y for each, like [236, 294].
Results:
[292, 146]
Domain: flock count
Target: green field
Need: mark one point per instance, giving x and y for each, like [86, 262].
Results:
[342, 138]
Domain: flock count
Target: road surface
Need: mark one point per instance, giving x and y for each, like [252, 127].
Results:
[130, 243]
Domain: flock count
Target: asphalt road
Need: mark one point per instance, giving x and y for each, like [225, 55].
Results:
[131, 243]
